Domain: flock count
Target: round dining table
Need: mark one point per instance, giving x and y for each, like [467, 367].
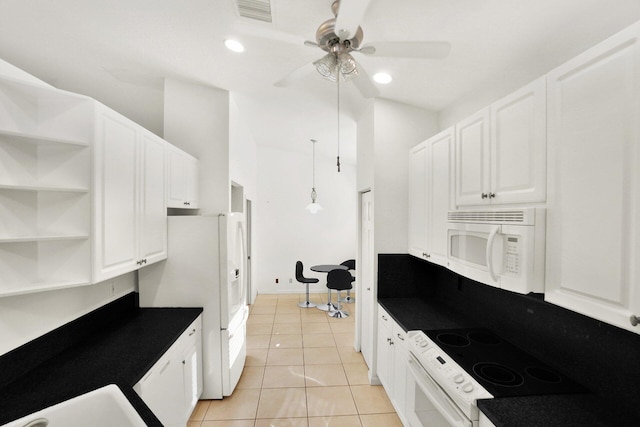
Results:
[325, 268]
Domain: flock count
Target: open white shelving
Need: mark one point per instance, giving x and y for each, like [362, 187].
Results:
[45, 181]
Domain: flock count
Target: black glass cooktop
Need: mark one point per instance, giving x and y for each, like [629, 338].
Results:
[500, 367]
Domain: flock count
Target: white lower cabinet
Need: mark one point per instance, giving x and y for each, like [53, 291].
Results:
[171, 388]
[392, 361]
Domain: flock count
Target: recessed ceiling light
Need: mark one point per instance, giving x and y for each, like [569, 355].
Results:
[234, 45]
[382, 78]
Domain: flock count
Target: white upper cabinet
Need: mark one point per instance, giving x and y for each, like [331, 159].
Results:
[153, 198]
[430, 184]
[45, 188]
[183, 179]
[501, 150]
[519, 146]
[440, 160]
[593, 222]
[129, 197]
[472, 159]
[418, 200]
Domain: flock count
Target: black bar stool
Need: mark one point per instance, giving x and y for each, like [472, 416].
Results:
[351, 266]
[306, 280]
[339, 280]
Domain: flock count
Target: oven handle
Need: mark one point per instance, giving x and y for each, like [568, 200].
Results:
[426, 383]
[492, 237]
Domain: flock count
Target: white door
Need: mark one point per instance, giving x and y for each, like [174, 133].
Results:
[232, 267]
[366, 279]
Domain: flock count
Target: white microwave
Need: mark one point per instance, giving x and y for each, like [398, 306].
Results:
[501, 248]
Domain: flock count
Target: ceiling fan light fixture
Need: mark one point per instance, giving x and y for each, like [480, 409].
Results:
[327, 65]
[347, 63]
[382, 78]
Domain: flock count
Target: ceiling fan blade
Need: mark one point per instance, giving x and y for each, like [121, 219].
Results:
[364, 84]
[294, 75]
[430, 50]
[350, 15]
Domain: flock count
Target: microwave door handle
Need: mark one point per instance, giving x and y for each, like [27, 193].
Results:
[492, 237]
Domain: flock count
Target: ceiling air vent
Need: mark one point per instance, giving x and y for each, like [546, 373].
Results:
[255, 9]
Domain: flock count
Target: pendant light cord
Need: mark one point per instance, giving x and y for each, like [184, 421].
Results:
[338, 82]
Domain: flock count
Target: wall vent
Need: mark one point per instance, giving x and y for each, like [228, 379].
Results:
[516, 216]
[255, 9]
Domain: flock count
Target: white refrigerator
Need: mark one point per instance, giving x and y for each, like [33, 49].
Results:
[206, 267]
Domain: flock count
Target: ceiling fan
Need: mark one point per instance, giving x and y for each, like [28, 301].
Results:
[342, 35]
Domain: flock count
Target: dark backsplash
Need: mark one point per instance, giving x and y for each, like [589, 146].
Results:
[601, 357]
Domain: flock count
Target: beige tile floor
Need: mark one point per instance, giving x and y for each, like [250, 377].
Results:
[301, 371]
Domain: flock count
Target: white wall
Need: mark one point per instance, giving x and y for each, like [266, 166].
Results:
[397, 128]
[26, 317]
[286, 232]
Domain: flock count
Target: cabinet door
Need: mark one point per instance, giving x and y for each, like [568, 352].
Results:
[384, 353]
[518, 146]
[183, 179]
[418, 201]
[472, 154]
[593, 213]
[400, 366]
[439, 194]
[161, 389]
[153, 210]
[191, 381]
[115, 198]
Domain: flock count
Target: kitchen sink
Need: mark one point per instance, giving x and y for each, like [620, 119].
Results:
[103, 407]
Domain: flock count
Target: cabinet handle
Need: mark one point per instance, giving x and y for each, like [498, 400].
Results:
[492, 195]
[390, 341]
[634, 320]
[184, 363]
[192, 332]
[144, 260]
[187, 203]
[484, 195]
[400, 337]
[384, 317]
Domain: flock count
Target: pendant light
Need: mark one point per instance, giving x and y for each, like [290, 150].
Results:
[314, 207]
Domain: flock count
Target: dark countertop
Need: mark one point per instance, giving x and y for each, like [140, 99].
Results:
[565, 410]
[119, 355]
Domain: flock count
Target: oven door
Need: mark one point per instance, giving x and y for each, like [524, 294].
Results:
[427, 404]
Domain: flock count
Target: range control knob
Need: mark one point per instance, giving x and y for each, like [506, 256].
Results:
[467, 388]
[423, 343]
[458, 378]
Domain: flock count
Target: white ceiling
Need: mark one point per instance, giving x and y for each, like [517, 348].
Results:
[500, 44]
